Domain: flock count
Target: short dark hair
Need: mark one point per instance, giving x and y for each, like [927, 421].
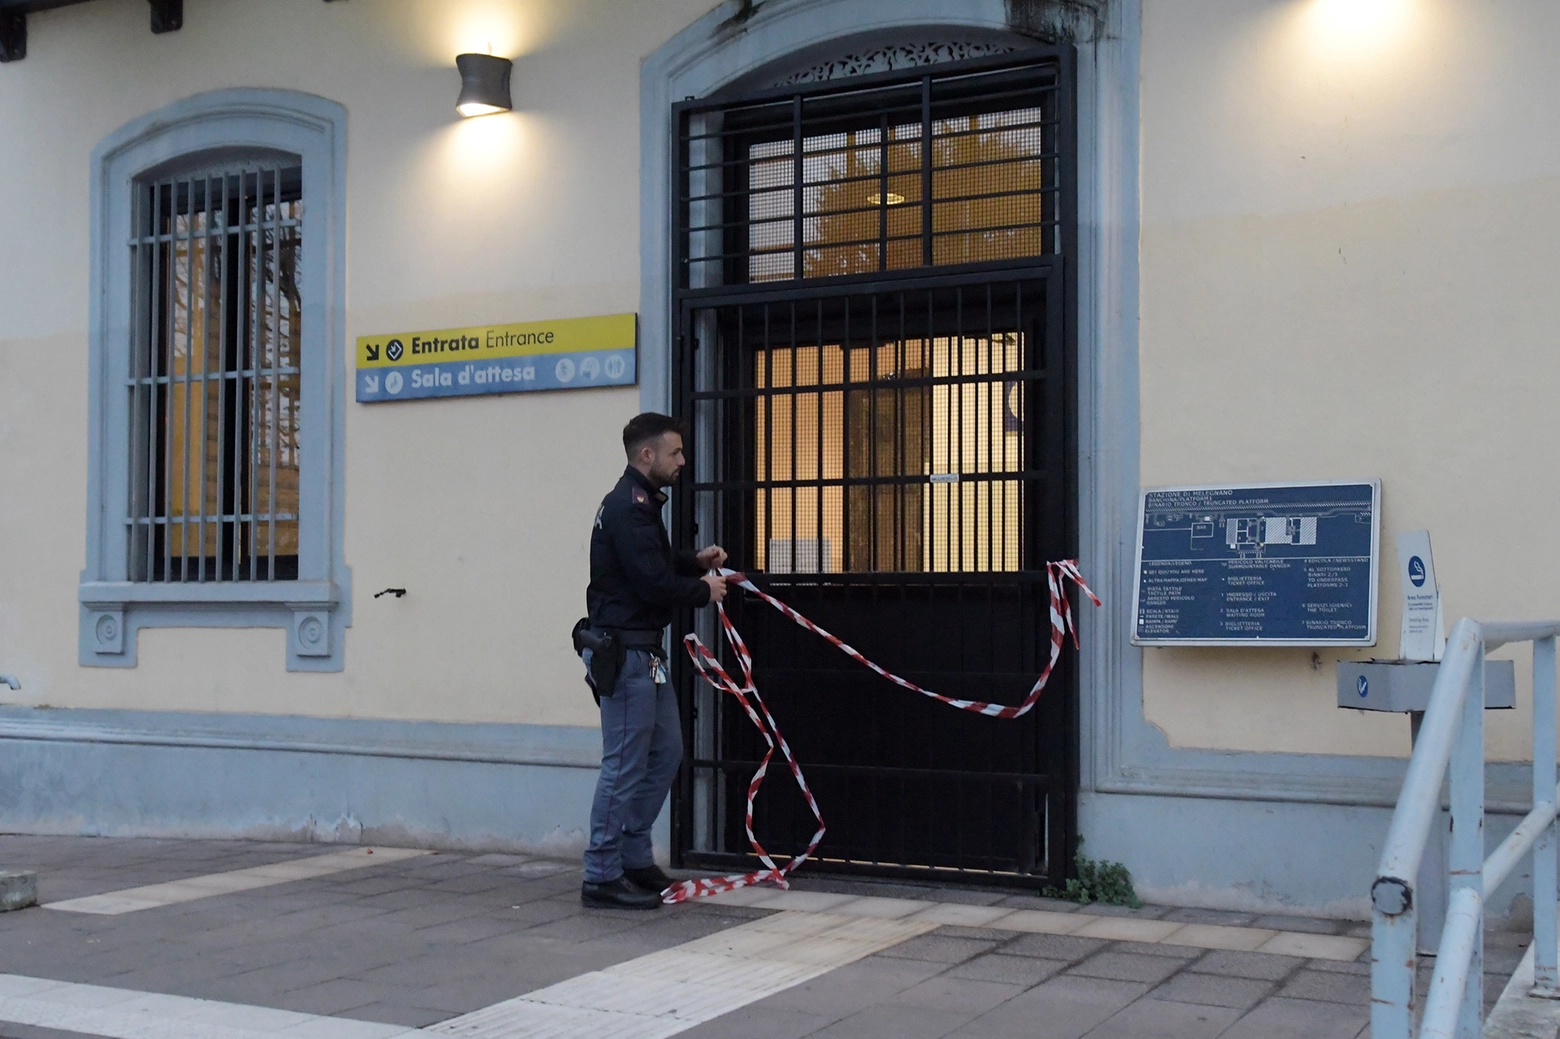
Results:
[642, 429]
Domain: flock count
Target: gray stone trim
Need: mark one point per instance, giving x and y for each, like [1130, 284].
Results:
[268, 777]
[554, 745]
[190, 132]
[1111, 668]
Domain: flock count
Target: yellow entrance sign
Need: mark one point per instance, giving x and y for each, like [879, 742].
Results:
[568, 353]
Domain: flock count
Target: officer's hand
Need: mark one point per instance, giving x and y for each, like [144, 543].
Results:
[711, 557]
[717, 587]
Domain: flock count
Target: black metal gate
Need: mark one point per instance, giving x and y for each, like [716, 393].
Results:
[874, 356]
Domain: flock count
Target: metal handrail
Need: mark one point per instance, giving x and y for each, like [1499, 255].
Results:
[1451, 740]
[1460, 938]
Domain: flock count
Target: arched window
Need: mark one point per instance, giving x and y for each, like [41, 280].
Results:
[217, 376]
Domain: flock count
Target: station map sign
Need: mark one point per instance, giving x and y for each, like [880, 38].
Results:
[1265, 564]
[566, 354]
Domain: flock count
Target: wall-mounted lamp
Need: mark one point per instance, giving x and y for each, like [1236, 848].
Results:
[484, 84]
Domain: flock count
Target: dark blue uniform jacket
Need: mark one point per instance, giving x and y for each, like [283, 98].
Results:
[636, 580]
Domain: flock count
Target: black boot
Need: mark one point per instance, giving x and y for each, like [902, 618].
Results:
[650, 878]
[619, 894]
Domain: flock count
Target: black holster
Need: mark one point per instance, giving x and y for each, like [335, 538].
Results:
[607, 653]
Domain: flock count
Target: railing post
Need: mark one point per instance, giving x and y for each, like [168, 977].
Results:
[1430, 893]
[1466, 854]
[1546, 978]
[1394, 964]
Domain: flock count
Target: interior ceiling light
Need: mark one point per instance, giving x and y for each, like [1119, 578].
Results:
[894, 198]
[484, 84]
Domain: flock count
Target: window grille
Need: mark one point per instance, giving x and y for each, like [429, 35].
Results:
[804, 185]
[214, 382]
[890, 431]
[914, 437]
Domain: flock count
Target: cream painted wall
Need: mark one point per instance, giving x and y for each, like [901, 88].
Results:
[1348, 224]
[480, 507]
[1351, 224]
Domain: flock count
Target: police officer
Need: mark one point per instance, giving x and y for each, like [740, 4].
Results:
[636, 582]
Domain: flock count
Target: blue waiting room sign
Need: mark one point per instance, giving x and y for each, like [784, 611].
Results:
[1265, 564]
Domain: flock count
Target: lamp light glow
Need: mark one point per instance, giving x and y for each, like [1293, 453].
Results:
[877, 199]
[484, 84]
[1362, 17]
[1361, 27]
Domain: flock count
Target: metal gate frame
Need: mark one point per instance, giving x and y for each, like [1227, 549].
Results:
[1058, 270]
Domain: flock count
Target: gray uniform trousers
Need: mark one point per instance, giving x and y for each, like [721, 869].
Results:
[641, 750]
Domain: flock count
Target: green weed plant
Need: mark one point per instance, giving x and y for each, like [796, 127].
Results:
[1106, 883]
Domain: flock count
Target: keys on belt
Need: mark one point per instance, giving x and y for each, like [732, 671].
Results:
[657, 670]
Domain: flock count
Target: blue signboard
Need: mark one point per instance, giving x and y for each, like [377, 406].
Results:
[1267, 564]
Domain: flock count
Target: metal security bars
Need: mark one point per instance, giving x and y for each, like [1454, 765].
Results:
[214, 381]
[896, 463]
[874, 355]
[889, 431]
[879, 174]
[1451, 743]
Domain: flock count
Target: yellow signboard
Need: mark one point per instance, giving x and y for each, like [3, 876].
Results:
[568, 353]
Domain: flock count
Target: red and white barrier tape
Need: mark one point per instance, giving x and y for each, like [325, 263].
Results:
[746, 694]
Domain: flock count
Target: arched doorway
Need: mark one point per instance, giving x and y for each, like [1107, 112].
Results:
[874, 329]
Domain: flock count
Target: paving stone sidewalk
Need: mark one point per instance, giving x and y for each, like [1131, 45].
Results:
[421, 940]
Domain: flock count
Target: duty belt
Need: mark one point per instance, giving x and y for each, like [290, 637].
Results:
[651, 641]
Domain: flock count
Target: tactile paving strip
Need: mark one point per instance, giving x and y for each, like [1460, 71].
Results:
[667, 992]
[151, 896]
